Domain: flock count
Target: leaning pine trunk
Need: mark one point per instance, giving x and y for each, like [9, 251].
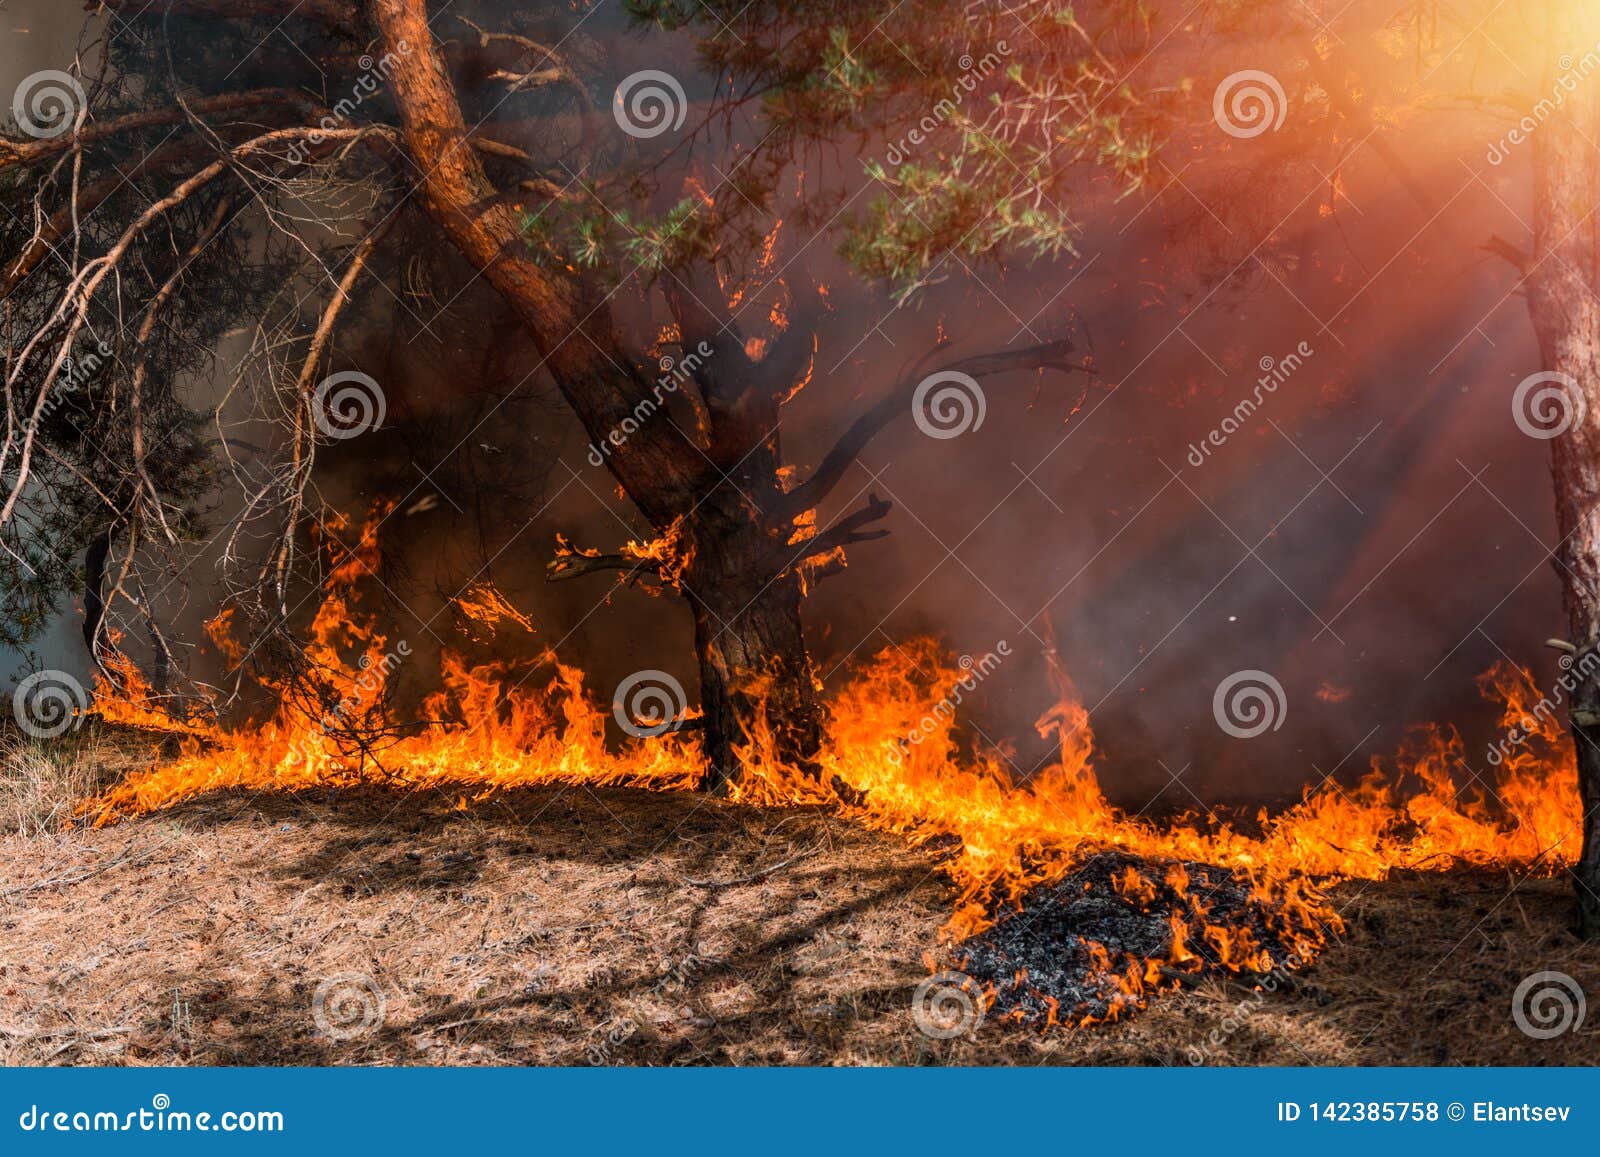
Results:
[1563, 278]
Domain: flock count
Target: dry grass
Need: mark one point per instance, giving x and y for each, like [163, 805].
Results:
[41, 781]
[571, 927]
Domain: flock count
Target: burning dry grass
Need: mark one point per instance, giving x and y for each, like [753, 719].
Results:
[893, 743]
[555, 925]
[1009, 841]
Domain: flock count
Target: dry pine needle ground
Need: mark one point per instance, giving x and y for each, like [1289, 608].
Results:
[566, 926]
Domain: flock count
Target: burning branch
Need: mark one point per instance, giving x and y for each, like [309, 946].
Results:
[573, 562]
[791, 361]
[571, 566]
[698, 306]
[823, 555]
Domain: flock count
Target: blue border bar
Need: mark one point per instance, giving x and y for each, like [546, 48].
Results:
[804, 1112]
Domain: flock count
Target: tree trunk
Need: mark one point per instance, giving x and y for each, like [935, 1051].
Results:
[1563, 278]
[1571, 350]
[721, 504]
[94, 599]
[750, 644]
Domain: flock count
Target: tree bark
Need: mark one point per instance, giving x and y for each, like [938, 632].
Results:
[568, 318]
[754, 665]
[1562, 285]
[750, 642]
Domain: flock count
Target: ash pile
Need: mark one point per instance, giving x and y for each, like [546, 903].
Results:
[1080, 951]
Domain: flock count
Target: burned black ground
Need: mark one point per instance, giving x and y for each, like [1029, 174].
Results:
[1064, 952]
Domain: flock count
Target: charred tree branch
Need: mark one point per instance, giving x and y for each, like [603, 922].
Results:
[578, 564]
[789, 362]
[1050, 355]
[847, 531]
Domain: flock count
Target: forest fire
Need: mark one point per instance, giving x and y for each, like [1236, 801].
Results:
[538, 534]
[1239, 894]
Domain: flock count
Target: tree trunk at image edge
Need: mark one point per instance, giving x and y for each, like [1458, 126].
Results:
[1563, 277]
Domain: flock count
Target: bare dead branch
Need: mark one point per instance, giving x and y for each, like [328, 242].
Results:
[1049, 355]
[1500, 247]
[304, 421]
[343, 15]
[847, 531]
[14, 153]
[71, 312]
[219, 219]
[88, 198]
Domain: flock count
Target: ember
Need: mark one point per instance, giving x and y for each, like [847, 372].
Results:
[1086, 950]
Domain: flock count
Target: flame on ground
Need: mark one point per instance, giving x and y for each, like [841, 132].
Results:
[497, 726]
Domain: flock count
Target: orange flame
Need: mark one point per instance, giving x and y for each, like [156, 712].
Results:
[499, 726]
